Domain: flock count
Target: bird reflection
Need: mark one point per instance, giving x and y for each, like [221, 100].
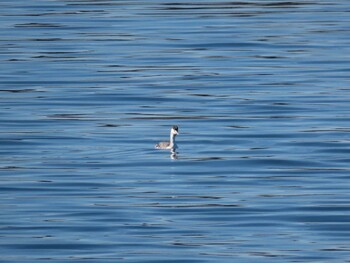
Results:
[173, 154]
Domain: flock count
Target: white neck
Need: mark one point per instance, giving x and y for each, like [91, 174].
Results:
[172, 139]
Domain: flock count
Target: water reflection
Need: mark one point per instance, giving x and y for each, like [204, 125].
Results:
[174, 154]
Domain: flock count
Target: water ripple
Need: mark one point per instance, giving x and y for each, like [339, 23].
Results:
[259, 90]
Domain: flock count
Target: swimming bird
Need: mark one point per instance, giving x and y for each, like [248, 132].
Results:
[171, 144]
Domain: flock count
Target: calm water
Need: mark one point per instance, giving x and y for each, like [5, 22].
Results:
[259, 89]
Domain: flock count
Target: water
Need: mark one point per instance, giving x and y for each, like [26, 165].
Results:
[259, 89]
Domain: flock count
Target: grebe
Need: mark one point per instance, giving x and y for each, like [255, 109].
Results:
[169, 145]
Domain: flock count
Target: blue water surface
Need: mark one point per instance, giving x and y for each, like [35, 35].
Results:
[260, 91]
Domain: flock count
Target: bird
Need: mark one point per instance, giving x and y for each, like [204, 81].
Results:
[171, 145]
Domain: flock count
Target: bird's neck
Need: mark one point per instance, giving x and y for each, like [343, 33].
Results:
[172, 139]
